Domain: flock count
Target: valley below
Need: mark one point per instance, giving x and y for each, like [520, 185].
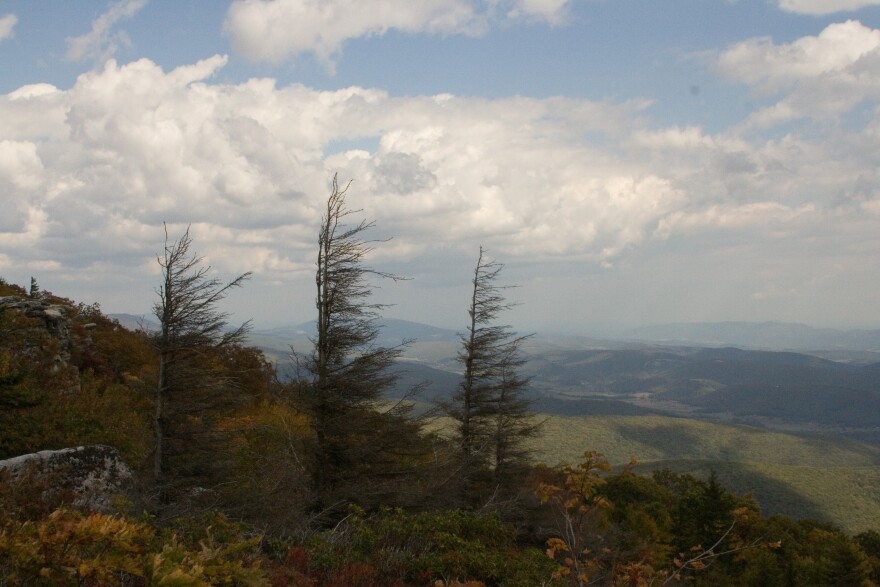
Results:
[798, 430]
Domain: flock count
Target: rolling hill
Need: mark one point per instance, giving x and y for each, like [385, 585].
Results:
[782, 390]
[620, 398]
[832, 479]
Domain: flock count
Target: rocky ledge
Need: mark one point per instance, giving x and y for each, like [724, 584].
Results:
[94, 475]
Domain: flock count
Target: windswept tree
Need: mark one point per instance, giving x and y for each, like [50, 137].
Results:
[361, 446]
[489, 408]
[515, 424]
[193, 331]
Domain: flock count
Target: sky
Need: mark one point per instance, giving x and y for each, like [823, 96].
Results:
[630, 162]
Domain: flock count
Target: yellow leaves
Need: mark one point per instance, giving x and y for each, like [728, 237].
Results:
[174, 567]
[546, 492]
[131, 378]
[68, 547]
[602, 502]
[745, 515]
[235, 423]
[593, 462]
[638, 574]
[5, 362]
[181, 578]
[555, 545]
[579, 505]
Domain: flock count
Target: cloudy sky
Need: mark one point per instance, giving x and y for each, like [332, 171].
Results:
[629, 161]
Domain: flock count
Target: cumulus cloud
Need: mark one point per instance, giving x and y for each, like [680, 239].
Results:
[130, 146]
[819, 7]
[103, 41]
[819, 77]
[550, 11]
[7, 24]
[274, 30]
[770, 67]
[89, 173]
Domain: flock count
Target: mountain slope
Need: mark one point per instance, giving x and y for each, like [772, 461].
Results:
[805, 476]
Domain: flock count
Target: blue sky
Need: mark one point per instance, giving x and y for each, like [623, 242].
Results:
[630, 162]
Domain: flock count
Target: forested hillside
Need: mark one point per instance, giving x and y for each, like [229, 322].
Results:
[828, 478]
[243, 478]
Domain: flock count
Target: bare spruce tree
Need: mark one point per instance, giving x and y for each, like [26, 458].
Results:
[191, 330]
[359, 445]
[489, 408]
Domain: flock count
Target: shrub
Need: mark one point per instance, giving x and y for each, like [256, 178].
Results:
[397, 548]
[71, 548]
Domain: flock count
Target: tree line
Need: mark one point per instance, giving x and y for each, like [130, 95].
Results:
[359, 449]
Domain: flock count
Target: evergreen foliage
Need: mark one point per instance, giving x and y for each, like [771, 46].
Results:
[191, 383]
[489, 408]
[360, 450]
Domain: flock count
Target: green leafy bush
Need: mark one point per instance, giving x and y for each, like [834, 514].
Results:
[397, 548]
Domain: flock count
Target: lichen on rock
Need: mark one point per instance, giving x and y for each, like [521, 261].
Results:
[95, 475]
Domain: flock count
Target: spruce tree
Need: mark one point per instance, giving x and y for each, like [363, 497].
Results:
[490, 408]
[361, 446]
[192, 331]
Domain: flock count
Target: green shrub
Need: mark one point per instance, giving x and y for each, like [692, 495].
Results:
[396, 548]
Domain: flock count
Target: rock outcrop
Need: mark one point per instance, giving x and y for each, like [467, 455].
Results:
[93, 475]
[53, 318]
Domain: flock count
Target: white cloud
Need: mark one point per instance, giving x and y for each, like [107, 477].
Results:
[551, 11]
[817, 77]
[131, 146]
[726, 217]
[770, 67]
[101, 43]
[819, 7]
[274, 30]
[89, 173]
[7, 24]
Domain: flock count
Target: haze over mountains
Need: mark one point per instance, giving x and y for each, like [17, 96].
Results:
[777, 336]
[750, 401]
[762, 335]
[732, 371]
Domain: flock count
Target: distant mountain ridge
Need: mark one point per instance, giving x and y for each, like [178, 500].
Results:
[136, 321]
[786, 389]
[760, 335]
[391, 330]
[747, 335]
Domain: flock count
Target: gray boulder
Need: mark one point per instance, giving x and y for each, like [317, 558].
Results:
[93, 475]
